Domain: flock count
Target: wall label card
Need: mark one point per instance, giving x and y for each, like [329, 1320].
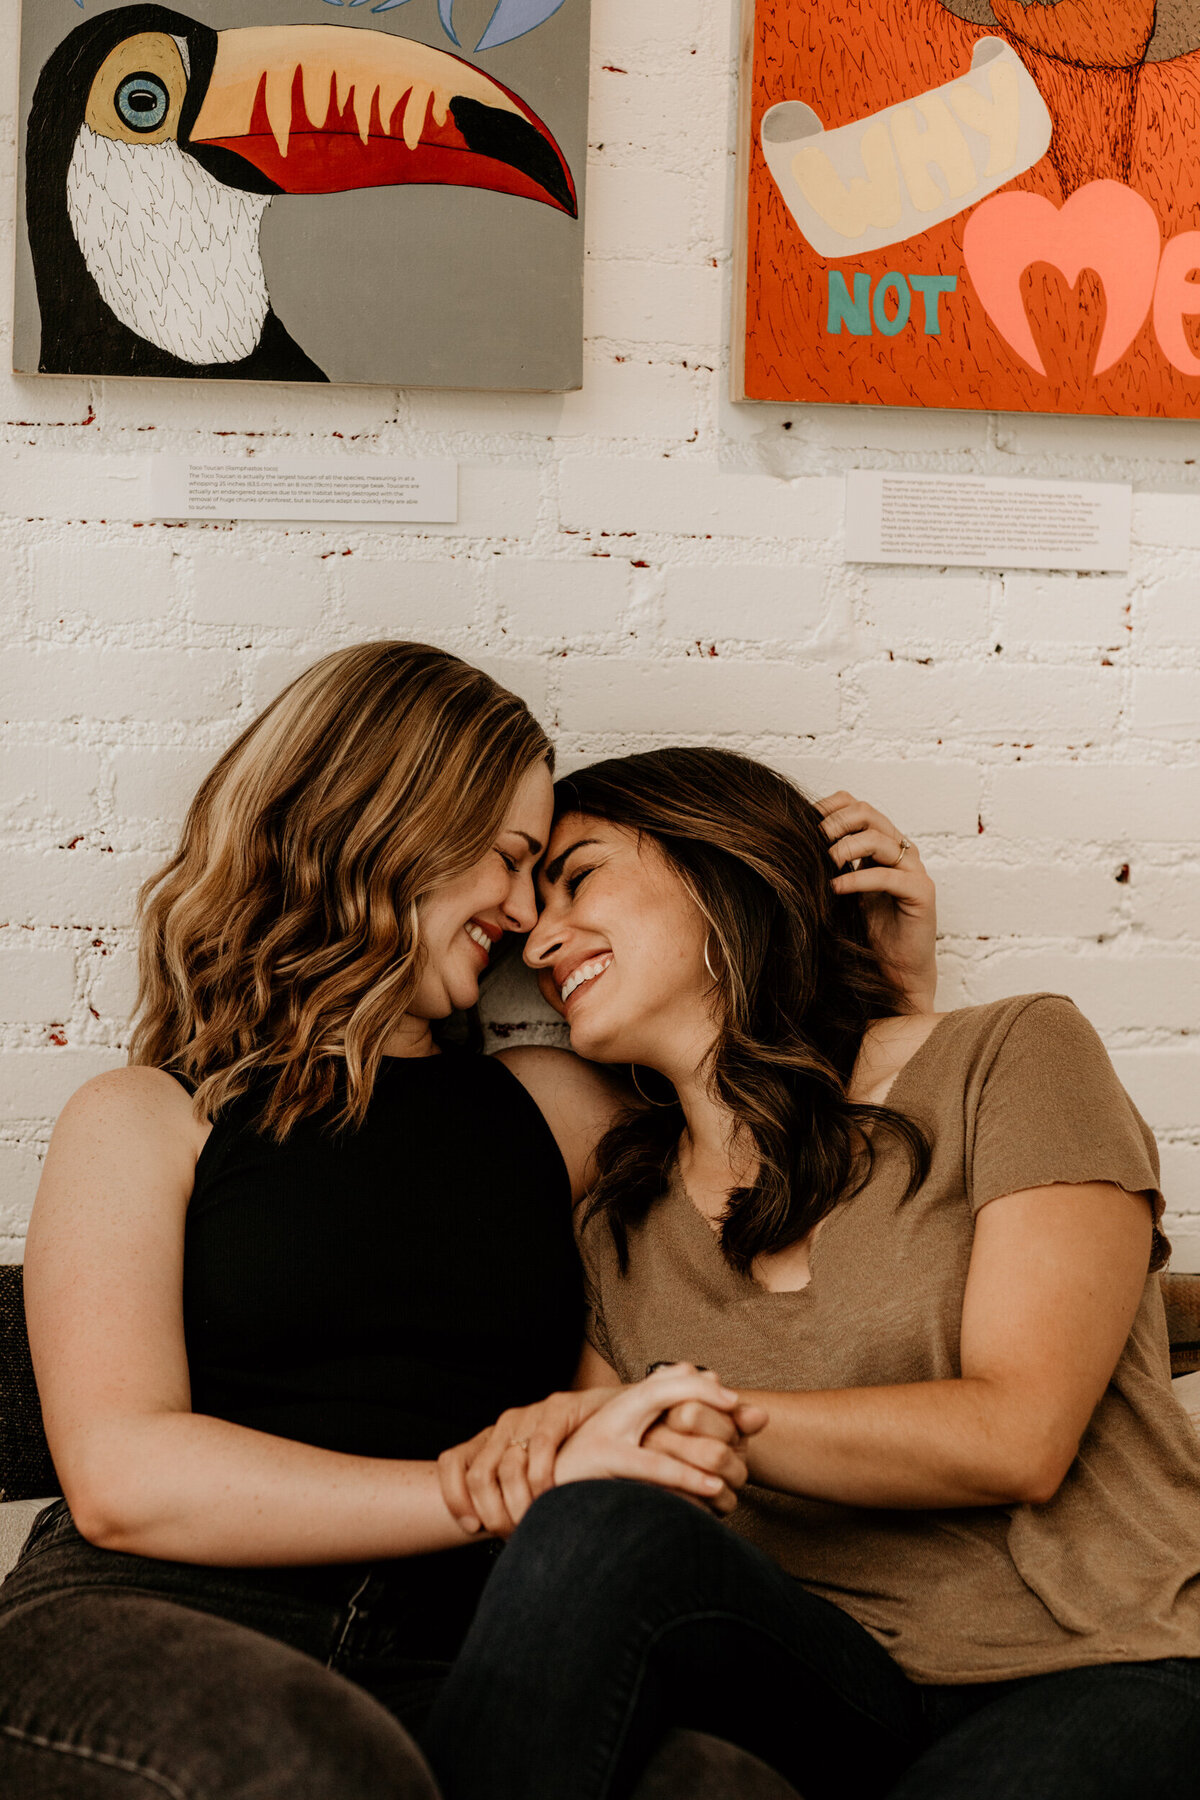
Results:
[371, 490]
[987, 522]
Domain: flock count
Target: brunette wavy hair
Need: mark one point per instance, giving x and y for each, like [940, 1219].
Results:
[796, 985]
[282, 942]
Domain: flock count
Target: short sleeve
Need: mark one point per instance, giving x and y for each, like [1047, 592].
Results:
[589, 1234]
[596, 1331]
[1051, 1109]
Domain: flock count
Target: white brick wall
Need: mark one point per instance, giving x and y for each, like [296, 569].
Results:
[643, 561]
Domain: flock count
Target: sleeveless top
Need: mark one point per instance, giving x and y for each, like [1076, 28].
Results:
[387, 1291]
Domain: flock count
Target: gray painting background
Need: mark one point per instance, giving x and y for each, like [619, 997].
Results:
[405, 286]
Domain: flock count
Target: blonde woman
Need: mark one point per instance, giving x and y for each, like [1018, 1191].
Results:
[294, 1252]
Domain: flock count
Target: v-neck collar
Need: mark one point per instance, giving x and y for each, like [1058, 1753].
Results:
[745, 1286]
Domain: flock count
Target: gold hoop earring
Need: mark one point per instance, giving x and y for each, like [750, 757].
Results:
[639, 1090]
[707, 961]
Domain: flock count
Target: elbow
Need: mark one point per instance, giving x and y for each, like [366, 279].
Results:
[1038, 1471]
[108, 1511]
[1024, 1449]
[1040, 1483]
[95, 1525]
[99, 1517]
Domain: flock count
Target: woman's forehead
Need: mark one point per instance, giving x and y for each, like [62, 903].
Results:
[570, 828]
[566, 819]
[573, 826]
[576, 830]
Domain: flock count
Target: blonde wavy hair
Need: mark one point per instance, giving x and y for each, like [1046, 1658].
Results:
[282, 942]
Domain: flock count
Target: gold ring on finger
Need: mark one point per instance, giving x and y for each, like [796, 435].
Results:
[518, 1443]
[904, 846]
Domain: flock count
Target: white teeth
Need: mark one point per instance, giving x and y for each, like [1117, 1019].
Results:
[479, 936]
[585, 972]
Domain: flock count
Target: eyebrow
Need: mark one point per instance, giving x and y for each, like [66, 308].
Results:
[534, 843]
[553, 870]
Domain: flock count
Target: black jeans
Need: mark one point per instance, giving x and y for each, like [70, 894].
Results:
[126, 1678]
[618, 1611]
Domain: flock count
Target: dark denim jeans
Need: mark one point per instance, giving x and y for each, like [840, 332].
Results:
[123, 1677]
[618, 1612]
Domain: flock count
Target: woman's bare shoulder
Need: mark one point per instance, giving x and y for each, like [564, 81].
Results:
[560, 1076]
[579, 1100]
[146, 1103]
[887, 1045]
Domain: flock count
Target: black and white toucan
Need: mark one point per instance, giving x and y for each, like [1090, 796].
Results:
[155, 145]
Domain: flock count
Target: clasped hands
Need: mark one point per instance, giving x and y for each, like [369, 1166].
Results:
[680, 1429]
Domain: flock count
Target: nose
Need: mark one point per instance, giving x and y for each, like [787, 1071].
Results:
[543, 943]
[520, 904]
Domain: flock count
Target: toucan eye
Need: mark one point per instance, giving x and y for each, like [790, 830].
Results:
[142, 102]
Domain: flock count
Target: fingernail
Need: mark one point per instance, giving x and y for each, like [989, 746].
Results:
[469, 1524]
[712, 1484]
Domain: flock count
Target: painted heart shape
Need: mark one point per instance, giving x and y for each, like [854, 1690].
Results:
[1104, 226]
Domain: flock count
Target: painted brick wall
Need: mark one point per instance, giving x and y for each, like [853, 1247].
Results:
[643, 561]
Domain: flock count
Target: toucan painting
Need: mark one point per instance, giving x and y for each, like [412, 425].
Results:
[978, 204]
[155, 145]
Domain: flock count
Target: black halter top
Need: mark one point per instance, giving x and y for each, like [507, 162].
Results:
[390, 1291]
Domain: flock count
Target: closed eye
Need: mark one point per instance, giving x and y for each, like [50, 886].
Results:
[508, 861]
[576, 877]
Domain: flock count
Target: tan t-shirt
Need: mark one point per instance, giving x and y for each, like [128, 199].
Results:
[1013, 1095]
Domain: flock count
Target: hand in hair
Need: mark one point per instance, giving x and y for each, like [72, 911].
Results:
[899, 897]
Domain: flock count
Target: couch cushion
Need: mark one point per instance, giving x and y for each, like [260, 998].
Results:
[1186, 1389]
[1181, 1298]
[16, 1517]
[26, 1469]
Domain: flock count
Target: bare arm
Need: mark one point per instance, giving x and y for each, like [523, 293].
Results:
[1055, 1278]
[140, 1471]
[594, 1372]
[577, 1099]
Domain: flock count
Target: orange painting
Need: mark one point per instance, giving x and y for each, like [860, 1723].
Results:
[986, 204]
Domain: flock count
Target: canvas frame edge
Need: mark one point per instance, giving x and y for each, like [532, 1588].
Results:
[741, 204]
[18, 189]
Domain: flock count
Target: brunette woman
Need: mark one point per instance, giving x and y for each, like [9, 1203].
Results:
[294, 1252]
[968, 1560]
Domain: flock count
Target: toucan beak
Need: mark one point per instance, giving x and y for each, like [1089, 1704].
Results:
[317, 109]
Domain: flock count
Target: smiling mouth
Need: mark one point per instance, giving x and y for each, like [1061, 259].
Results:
[588, 971]
[479, 936]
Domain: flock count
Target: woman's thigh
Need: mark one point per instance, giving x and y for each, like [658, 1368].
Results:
[116, 1695]
[1120, 1731]
[619, 1612]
